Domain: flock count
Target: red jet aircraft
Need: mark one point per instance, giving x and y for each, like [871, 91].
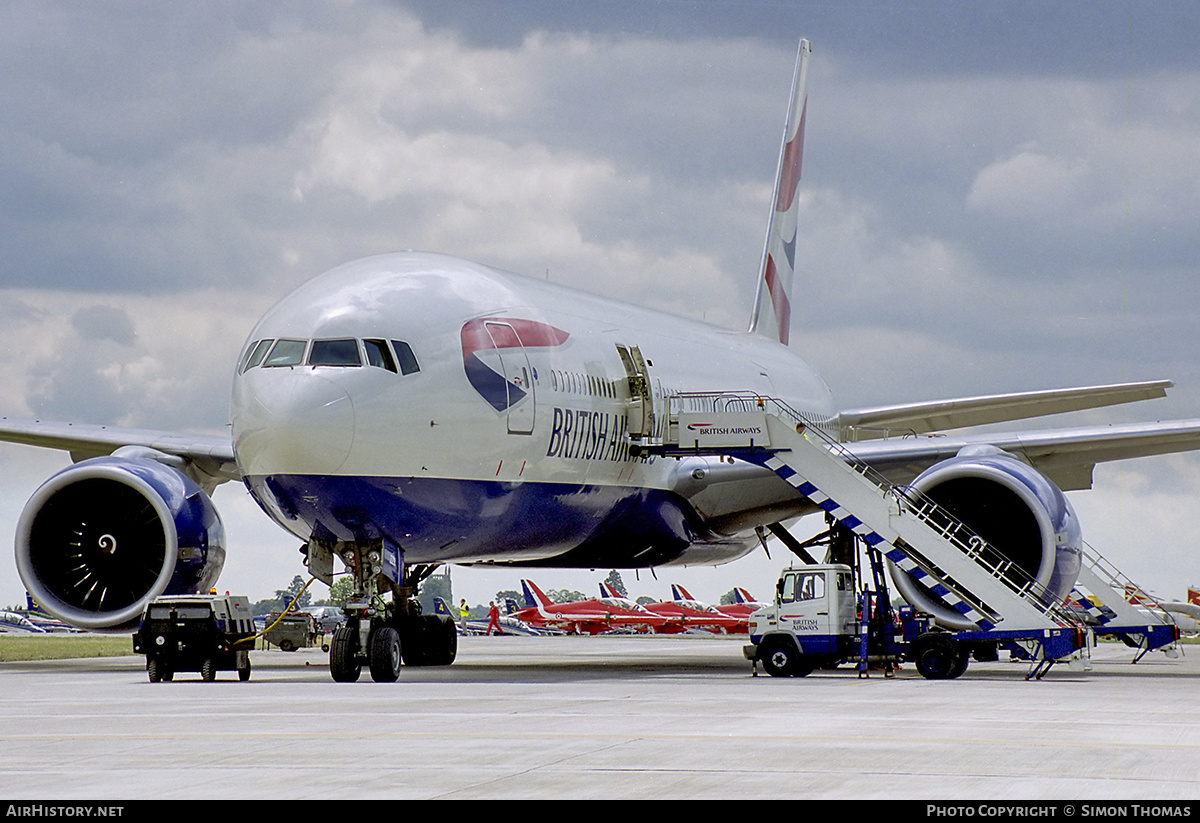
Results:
[585, 616]
[742, 607]
[683, 614]
[696, 614]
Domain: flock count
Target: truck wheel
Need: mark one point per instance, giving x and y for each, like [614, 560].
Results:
[937, 658]
[960, 666]
[344, 664]
[383, 657]
[781, 658]
[244, 673]
[153, 671]
[208, 671]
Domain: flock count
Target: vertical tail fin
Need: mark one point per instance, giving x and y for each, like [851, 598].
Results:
[680, 593]
[742, 596]
[772, 304]
[534, 597]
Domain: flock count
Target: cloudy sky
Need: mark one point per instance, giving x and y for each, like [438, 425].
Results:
[996, 197]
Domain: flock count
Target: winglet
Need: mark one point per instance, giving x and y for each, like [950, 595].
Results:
[772, 303]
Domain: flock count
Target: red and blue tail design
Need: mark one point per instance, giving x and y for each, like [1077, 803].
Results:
[740, 595]
[772, 304]
[680, 593]
[535, 597]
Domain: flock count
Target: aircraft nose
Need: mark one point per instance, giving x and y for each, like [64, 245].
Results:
[292, 421]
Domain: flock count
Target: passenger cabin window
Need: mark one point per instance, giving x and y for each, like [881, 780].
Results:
[343, 352]
[287, 353]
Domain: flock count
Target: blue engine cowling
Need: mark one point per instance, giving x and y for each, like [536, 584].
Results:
[102, 538]
[1016, 509]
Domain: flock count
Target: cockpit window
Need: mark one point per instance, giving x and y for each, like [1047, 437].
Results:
[287, 353]
[334, 353]
[408, 360]
[256, 354]
[397, 357]
[379, 355]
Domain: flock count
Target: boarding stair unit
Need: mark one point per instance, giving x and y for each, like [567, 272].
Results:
[1117, 607]
[1002, 601]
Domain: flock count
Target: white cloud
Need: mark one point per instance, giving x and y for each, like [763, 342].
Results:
[964, 232]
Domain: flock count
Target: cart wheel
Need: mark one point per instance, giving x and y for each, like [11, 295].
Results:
[153, 671]
[208, 672]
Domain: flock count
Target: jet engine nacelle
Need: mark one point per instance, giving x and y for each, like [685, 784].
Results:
[102, 538]
[1012, 506]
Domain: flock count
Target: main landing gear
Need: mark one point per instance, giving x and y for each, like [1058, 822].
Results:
[383, 634]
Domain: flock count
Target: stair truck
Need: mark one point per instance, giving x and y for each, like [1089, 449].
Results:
[969, 597]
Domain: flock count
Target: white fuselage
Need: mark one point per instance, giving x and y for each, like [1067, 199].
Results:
[506, 439]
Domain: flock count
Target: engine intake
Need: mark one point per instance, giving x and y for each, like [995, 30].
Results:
[102, 538]
[1012, 506]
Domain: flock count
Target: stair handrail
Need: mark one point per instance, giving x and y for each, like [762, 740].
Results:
[1120, 583]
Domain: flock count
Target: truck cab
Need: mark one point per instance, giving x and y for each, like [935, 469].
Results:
[813, 621]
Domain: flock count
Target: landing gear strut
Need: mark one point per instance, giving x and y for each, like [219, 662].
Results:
[380, 631]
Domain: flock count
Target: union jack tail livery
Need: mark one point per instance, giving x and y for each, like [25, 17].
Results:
[535, 597]
[680, 593]
[773, 302]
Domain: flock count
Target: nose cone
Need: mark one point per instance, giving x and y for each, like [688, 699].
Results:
[291, 421]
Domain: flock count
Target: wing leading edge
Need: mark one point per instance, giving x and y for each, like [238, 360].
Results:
[208, 459]
[940, 415]
[1066, 456]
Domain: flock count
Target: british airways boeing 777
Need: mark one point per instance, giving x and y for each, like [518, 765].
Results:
[409, 410]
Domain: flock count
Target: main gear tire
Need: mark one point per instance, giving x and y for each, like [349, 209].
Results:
[383, 654]
[344, 664]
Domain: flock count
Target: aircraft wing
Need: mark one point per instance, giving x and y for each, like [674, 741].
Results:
[208, 457]
[1066, 456]
[731, 497]
[939, 415]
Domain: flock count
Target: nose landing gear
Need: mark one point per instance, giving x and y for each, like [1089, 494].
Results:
[384, 633]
